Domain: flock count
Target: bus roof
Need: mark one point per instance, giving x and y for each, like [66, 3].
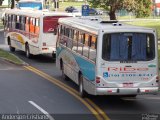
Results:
[94, 24]
[36, 13]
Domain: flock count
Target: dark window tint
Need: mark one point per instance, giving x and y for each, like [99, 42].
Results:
[128, 46]
[50, 23]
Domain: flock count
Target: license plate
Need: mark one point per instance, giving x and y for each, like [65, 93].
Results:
[127, 85]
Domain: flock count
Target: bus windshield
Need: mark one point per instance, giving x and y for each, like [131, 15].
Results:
[128, 47]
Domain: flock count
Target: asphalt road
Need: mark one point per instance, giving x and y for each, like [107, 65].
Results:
[24, 92]
[53, 99]
[20, 88]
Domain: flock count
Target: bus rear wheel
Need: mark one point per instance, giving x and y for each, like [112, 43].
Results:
[28, 55]
[81, 87]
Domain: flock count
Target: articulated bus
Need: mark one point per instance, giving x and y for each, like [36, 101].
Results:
[32, 31]
[107, 57]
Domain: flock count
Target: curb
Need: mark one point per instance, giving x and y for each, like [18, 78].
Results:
[10, 61]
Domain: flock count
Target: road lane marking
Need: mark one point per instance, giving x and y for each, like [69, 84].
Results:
[97, 109]
[53, 79]
[66, 88]
[42, 110]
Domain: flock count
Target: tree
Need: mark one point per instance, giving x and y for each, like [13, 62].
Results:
[114, 5]
[143, 8]
[12, 4]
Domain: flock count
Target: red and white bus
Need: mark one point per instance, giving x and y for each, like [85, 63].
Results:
[32, 31]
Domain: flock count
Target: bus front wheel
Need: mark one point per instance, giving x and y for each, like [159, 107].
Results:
[64, 77]
[81, 87]
[12, 49]
[28, 55]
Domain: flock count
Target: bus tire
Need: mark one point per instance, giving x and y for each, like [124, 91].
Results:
[28, 55]
[12, 49]
[53, 55]
[82, 92]
[64, 77]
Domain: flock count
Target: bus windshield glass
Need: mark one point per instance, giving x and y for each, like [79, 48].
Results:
[128, 47]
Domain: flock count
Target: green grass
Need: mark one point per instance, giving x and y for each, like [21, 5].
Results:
[10, 57]
[148, 23]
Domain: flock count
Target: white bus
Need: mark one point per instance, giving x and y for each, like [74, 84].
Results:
[32, 31]
[106, 58]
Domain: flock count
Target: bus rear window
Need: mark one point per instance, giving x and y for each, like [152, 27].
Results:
[50, 23]
[128, 47]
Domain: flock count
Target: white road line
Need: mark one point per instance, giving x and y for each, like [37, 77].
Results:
[42, 110]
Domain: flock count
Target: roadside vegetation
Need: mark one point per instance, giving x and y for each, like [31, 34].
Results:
[148, 23]
[10, 57]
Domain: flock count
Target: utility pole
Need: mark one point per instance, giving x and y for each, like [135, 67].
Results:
[12, 4]
[56, 4]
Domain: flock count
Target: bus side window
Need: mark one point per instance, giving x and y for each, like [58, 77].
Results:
[20, 21]
[9, 21]
[63, 38]
[80, 43]
[92, 51]
[67, 32]
[150, 47]
[106, 46]
[13, 21]
[23, 23]
[69, 40]
[32, 27]
[75, 40]
[27, 25]
[86, 45]
[37, 26]
[17, 22]
[61, 30]
[6, 21]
